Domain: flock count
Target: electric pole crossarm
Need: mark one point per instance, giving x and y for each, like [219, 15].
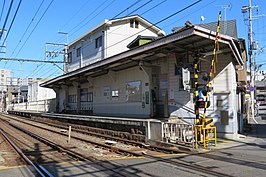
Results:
[31, 60]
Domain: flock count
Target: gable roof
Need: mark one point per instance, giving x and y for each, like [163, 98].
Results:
[227, 27]
[111, 21]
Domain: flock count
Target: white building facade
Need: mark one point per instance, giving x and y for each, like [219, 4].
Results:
[107, 39]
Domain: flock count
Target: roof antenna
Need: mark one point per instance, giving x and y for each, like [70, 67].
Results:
[225, 7]
[202, 18]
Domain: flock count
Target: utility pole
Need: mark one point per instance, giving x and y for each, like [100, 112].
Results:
[252, 47]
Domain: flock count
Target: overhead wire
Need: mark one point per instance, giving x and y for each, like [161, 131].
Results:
[10, 27]
[3, 7]
[33, 18]
[140, 7]
[88, 16]
[94, 16]
[141, 14]
[40, 66]
[76, 13]
[160, 21]
[160, 3]
[34, 28]
[202, 7]
[7, 16]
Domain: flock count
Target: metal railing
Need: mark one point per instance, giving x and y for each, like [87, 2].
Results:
[179, 133]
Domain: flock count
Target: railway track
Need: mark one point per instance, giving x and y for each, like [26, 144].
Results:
[176, 162]
[84, 130]
[46, 149]
[39, 169]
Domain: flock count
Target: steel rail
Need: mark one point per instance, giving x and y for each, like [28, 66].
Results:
[39, 169]
[150, 147]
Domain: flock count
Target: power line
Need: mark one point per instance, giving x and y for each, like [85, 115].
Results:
[88, 16]
[132, 5]
[8, 12]
[154, 7]
[35, 27]
[3, 7]
[160, 21]
[77, 12]
[10, 27]
[40, 66]
[140, 7]
[27, 28]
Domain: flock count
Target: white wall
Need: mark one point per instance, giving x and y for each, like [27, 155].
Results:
[120, 34]
[115, 39]
[37, 93]
[224, 91]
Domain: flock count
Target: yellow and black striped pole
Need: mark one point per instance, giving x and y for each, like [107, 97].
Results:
[196, 92]
[213, 64]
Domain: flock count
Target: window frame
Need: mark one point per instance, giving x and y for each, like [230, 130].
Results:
[98, 42]
[78, 50]
[69, 57]
[134, 88]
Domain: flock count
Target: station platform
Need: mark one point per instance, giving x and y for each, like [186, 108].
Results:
[151, 128]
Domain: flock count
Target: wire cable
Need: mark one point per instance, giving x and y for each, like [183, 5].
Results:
[8, 12]
[76, 13]
[33, 18]
[140, 7]
[10, 27]
[160, 21]
[3, 7]
[34, 27]
[32, 31]
[40, 66]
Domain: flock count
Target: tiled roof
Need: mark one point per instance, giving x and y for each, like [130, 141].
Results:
[227, 27]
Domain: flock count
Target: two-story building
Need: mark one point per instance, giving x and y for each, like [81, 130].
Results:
[106, 78]
[109, 38]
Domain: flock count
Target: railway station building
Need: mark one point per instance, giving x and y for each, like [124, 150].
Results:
[128, 67]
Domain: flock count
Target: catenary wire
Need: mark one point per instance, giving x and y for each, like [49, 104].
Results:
[33, 29]
[3, 7]
[33, 18]
[160, 21]
[41, 65]
[10, 27]
[7, 16]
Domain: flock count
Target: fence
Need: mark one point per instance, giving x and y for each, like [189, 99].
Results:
[34, 106]
[179, 133]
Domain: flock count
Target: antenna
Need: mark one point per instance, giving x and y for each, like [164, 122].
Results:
[202, 18]
[225, 7]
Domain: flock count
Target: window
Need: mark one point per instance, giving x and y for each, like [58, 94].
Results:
[86, 96]
[131, 23]
[72, 98]
[133, 91]
[78, 52]
[106, 92]
[98, 42]
[69, 57]
[115, 94]
[134, 23]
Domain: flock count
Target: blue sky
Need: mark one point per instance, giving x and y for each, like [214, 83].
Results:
[77, 17]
